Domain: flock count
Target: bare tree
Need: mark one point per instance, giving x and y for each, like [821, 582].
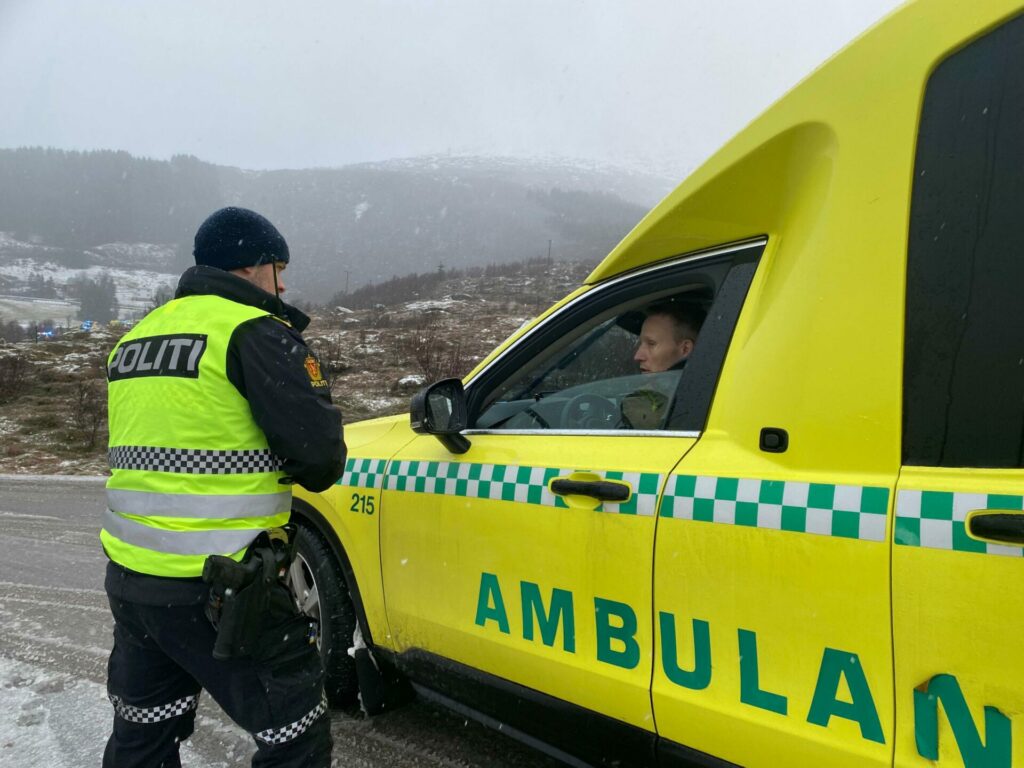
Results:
[88, 410]
[14, 369]
[435, 354]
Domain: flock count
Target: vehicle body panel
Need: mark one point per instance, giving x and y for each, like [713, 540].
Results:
[370, 445]
[950, 592]
[790, 547]
[449, 558]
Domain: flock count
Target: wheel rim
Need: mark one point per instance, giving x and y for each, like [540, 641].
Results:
[304, 590]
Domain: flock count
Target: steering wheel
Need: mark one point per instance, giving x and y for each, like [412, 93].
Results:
[589, 412]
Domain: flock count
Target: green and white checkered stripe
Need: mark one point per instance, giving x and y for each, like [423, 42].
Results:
[364, 473]
[522, 484]
[845, 511]
[645, 487]
[936, 520]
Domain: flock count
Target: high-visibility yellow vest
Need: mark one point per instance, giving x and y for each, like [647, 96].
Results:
[192, 474]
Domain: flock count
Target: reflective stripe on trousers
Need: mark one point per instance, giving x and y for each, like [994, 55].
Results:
[293, 730]
[153, 714]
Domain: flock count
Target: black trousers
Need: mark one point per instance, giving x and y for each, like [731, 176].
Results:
[162, 658]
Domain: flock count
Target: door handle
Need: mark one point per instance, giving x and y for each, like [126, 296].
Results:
[604, 490]
[1005, 526]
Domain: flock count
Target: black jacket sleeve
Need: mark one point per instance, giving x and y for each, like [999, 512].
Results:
[270, 364]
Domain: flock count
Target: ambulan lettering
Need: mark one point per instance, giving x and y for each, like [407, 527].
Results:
[172, 355]
[841, 690]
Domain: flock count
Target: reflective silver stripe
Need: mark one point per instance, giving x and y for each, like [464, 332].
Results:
[193, 460]
[153, 714]
[205, 507]
[178, 542]
[292, 730]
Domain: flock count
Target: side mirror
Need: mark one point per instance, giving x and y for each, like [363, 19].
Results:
[440, 409]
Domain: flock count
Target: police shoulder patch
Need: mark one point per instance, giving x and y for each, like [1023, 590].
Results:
[316, 377]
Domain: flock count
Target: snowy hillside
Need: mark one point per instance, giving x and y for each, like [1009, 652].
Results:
[36, 280]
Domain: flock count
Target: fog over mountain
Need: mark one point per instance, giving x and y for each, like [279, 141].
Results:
[351, 225]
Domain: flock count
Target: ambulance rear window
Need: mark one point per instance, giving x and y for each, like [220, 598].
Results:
[964, 364]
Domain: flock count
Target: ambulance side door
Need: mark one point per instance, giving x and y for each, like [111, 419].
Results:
[772, 614]
[958, 570]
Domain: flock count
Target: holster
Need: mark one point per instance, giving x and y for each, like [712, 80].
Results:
[243, 593]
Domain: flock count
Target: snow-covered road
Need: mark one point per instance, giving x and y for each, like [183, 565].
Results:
[55, 634]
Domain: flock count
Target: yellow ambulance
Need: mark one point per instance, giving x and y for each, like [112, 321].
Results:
[800, 545]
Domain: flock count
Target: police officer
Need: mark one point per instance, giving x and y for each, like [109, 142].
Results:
[216, 405]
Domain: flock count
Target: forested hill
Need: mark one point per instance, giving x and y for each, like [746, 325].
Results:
[85, 199]
[371, 221]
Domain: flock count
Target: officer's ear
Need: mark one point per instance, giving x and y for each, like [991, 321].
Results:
[686, 347]
[248, 274]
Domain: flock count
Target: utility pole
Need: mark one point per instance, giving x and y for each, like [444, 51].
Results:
[549, 250]
[347, 273]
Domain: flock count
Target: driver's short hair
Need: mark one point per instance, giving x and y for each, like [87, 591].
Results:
[687, 317]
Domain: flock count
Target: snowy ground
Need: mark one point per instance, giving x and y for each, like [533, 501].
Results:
[40, 709]
[35, 310]
[59, 721]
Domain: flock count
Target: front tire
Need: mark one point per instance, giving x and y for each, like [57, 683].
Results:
[321, 592]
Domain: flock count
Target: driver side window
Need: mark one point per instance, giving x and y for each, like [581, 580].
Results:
[619, 358]
[593, 382]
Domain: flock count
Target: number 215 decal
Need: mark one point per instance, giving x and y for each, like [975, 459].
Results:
[361, 503]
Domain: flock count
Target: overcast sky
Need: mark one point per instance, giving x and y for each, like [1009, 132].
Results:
[651, 83]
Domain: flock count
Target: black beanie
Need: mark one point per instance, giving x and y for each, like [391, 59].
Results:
[237, 237]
